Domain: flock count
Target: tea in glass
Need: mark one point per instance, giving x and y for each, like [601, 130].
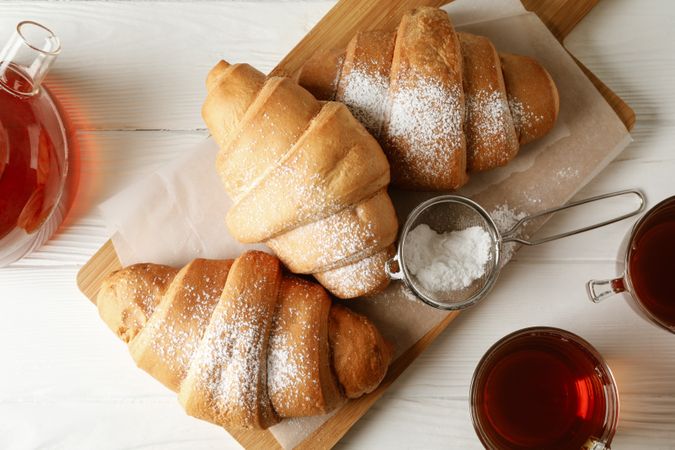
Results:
[543, 388]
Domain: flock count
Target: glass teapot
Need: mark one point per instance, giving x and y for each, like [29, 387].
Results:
[33, 144]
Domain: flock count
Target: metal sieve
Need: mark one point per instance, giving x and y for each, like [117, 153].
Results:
[447, 213]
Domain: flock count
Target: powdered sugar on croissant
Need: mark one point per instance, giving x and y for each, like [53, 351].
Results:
[441, 103]
[306, 178]
[242, 344]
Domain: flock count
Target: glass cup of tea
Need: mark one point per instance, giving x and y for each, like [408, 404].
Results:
[649, 261]
[544, 388]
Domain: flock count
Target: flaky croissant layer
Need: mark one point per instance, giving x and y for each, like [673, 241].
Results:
[242, 344]
[305, 178]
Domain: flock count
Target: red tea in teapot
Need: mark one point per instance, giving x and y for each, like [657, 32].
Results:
[33, 144]
[30, 169]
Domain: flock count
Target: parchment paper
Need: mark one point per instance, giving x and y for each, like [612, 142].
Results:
[178, 213]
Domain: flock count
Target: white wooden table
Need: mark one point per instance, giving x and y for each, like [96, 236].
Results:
[131, 77]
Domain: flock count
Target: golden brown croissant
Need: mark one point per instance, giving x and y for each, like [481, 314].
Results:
[441, 103]
[305, 177]
[242, 344]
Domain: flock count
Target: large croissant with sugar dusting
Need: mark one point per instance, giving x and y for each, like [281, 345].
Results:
[242, 344]
[305, 177]
[441, 103]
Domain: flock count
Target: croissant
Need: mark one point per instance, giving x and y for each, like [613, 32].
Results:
[242, 344]
[441, 103]
[305, 177]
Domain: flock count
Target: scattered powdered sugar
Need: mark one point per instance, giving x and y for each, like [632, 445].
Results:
[288, 364]
[489, 127]
[408, 294]
[336, 238]
[144, 286]
[231, 363]
[365, 93]
[356, 278]
[426, 120]
[522, 116]
[175, 343]
[449, 261]
[283, 370]
[306, 190]
[505, 218]
[492, 111]
[344, 237]
[532, 199]
[310, 189]
[567, 172]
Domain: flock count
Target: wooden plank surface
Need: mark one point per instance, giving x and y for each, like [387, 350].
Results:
[342, 22]
[93, 391]
[561, 16]
[334, 31]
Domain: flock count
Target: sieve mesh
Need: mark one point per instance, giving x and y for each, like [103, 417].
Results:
[447, 214]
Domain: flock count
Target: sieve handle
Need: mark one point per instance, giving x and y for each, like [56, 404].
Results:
[393, 274]
[511, 235]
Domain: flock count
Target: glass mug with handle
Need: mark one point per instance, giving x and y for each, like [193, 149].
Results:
[544, 388]
[649, 274]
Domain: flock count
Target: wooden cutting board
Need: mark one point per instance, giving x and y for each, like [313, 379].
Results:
[334, 31]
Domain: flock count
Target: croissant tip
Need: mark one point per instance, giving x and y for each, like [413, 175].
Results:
[216, 72]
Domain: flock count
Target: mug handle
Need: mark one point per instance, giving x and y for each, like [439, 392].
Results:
[598, 290]
[592, 444]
